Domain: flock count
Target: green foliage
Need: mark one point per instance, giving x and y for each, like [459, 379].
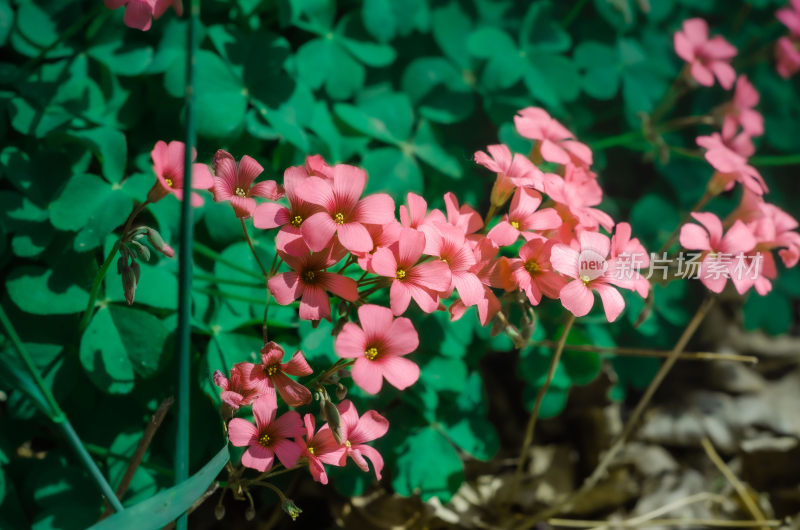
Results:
[408, 90]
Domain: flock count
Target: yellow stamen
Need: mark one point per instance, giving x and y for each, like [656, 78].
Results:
[264, 440]
[169, 182]
[339, 218]
[296, 221]
[585, 279]
[347, 443]
[532, 267]
[310, 450]
[240, 191]
[371, 353]
[273, 369]
[309, 276]
[515, 224]
[400, 274]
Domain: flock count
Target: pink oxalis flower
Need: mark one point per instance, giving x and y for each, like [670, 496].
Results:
[741, 112]
[522, 217]
[269, 437]
[309, 281]
[556, 143]
[787, 55]
[512, 172]
[356, 432]
[272, 374]
[707, 58]
[720, 251]
[449, 244]
[139, 14]
[234, 183]
[589, 271]
[533, 273]
[168, 164]
[378, 347]
[344, 213]
[316, 447]
[421, 281]
[235, 391]
[730, 166]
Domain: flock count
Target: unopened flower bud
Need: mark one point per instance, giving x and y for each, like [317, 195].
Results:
[331, 414]
[141, 250]
[121, 264]
[129, 279]
[158, 243]
[250, 513]
[219, 512]
[291, 508]
[341, 392]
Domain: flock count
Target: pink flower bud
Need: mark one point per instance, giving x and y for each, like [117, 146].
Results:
[158, 243]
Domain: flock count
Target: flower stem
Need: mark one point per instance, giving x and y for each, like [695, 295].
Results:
[98, 280]
[529, 430]
[253, 249]
[185, 266]
[633, 420]
[57, 415]
[216, 256]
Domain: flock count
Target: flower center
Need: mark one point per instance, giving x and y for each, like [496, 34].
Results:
[240, 191]
[347, 444]
[169, 182]
[515, 224]
[401, 274]
[532, 267]
[339, 218]
[371, 353]
[309, 276]
[310, 450]
[296, 221]
[264, 440]
[272, 369]
[585, 278]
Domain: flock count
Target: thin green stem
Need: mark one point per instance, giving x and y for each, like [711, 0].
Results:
[529, 431]
[223, 294]
[216, 256]
[620, 139]
[58, 416]
[185, 266]
[225, 281]
[775, 160]
[253, 249]
[573, 13]
[98, 280]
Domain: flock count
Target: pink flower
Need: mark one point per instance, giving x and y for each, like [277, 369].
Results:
[720, 251]
[741, 111]
[416, 213]
[421, 281]
[578, 192]
[343, 213]
[707, 58]
[271, 374]
[512, 172]
[272, 215]
[449, 244]
[533, 273]
[309, 281]
[772, 227]
[318, 167]
[378, 347]
[787, 54]
[590, 272]
[790, 17]
[235, 184]
[235, 391]
[463, 217]
[556, 143]
[356, 432]
[522, 216]
[139, 14]
[269, 437]
[168, 167]
[731, 167]
[316, 447]
[491, 272]
[627, 257]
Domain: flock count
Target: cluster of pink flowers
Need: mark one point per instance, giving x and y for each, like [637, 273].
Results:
[288, 437]
[756, 227]
[787, 49]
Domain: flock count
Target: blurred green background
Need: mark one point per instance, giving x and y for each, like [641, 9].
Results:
[408, 90]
